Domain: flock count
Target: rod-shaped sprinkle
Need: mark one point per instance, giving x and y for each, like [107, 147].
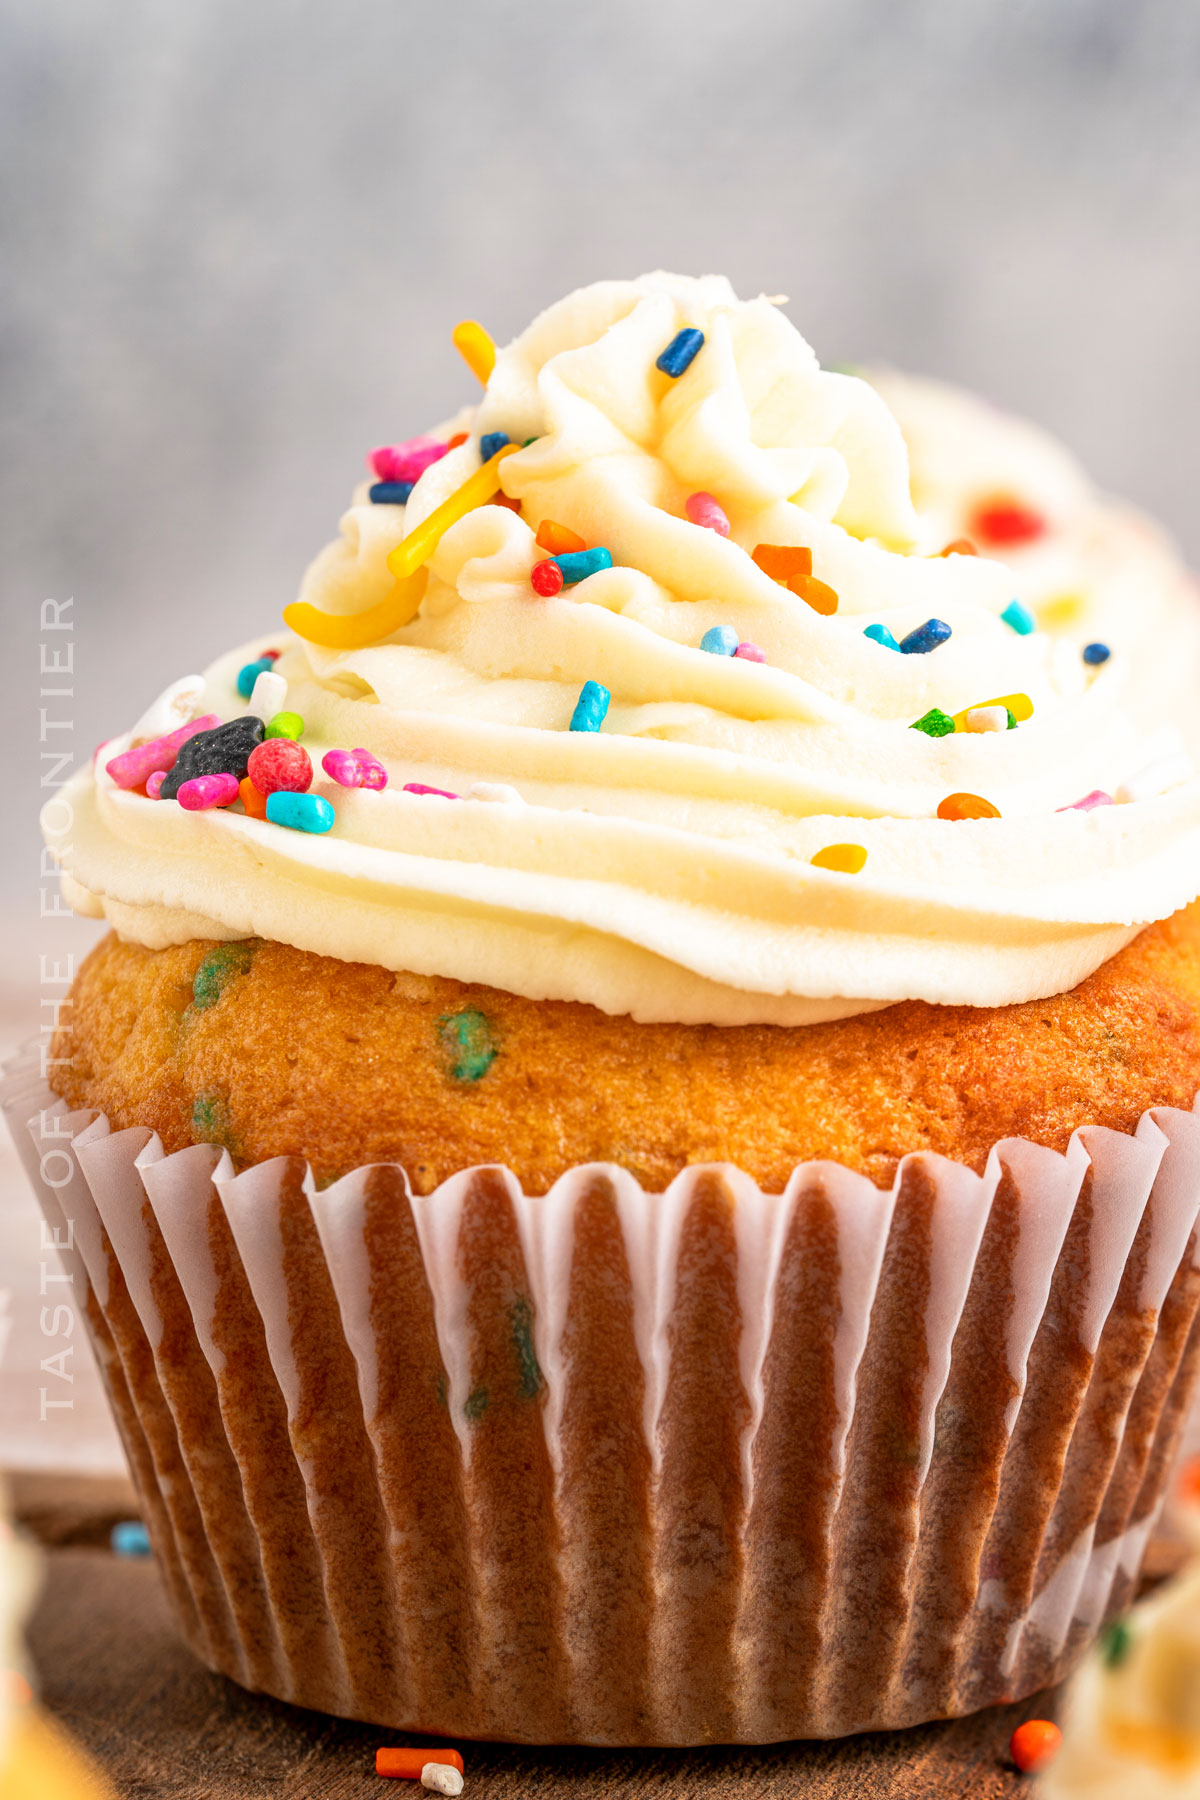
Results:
[591, 707]
[476, 347]
[476, 490]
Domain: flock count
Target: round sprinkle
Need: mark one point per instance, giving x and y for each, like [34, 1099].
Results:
[925, 638]
[681, 352]
[203, 792]
[286, 725]
[721, 640]
[844, 859]
[441, 1778]
[1096, 798]
[703, 510]
[253, 799]
[546, 578]
[934, 723]
[249, 673]
[577, 565]
[406, 462]
[967, 806]
[879, 634]
[407, 1763]
[419, 787]
[154, 783]
[390, 493]
[280, 765]
[1034, 1745]
[750, 652]
[988, 718]
[1095, 654]
[591, 707]
[1005, 520]
[1116, 1644]
[557, 538]
[1019, 618]
[490, 442]
[300, 812]
[476, 347]
[129, 1538]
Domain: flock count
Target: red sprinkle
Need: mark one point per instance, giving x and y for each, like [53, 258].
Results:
[280, 765]
[1034, 1745]
[546, 578]
[1003, 520]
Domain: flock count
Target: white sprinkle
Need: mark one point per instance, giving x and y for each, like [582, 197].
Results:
[1156, 778]
[441, 1778]
[268, 696]
[494, 790]
[987, 718]
[173, 708]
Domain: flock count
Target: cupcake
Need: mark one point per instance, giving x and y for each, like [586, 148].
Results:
[631, 1147]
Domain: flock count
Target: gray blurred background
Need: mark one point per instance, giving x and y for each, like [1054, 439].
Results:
[238, 232]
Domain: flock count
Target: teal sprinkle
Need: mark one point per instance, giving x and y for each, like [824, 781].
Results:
[879, 634]
[217, 970]
[527, 1362]
[1116, 1644]
[468, 1043]
[212, 1121]
[475, 1405]
[1020, 618]
[935, 723]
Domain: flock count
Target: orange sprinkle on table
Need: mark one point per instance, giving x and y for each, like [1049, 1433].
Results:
[1034, 1745]
[783, 561]
[407, 1763]
[558, 539]
[967, 806]
[845, 859]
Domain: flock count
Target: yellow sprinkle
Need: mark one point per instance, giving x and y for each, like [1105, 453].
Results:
[476, 349]
[1063, 609]
[475, 491]
[1019, 705]
[354, 631]
[847, 859]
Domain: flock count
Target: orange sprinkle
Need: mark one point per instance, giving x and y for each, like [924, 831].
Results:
[460, 437]
[967, 806]
[254, 802]
[1034, 1745]
[558, 539]
[1189, 1481]
[783, 561]
[845, 859]
[407, 1763]
[507, 500]
[959, 547]
[820, 597]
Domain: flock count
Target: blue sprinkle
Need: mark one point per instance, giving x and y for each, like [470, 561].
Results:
[590, 708]
[879, 634]
[301, 812]
[490, 442]
[1096, 654]
[391, 493]
[722, 640]
[130, 1538]
[1019, 617]
[249, 673]
[577, 565]
[680, 352]
[926, 637]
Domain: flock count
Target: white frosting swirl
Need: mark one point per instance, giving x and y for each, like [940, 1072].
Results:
[661, 867]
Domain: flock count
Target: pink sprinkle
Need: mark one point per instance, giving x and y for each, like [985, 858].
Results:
[205, 791]
[133, 768]
[1097, 797]
[418, 787]
[407, 461]
[343, 767]
[702, 509]
[374, 775]
[154, 784]
[750, 652]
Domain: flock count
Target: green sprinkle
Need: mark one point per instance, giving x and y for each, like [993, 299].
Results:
[218, 970]
[935, 723]
[1012, 719]
[286, 724]
[522, 1333]
[475, 1405]
[1116, 1644]
[468, 1044]
[212, 1121]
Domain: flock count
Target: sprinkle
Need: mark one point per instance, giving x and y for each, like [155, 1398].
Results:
[249, 673]
[374, 775]
[407, 1763]
[988, 718]
[476, 348]
[703, 510]
[268, 694]
[300, 812]
[418, 787]
[441, 1778]
[591, 707]
[1034, 1745]
[390, 493]
[507, 501]
[1019, 617]
[203, 792]
[254, 801]
[879, 634]
[285, 724]
[270, 655]
[934, 723]
[577, 565]
[546, 578]
[491, 441]
[557, 538]
[219, 968]
[343, 768]
[967, 806]
[680, 352]
[1116, 1644]
[782, 562]
[133, 768]
[225, 750]
[497, 791]
[1156, 778]
[469, 1044]
[406, 462]
[959, 547]
[129, 1537]
[1097, 797]
[154, 784]
[1095, 654]
[280, 765]
[750, 652]
[1004, 520]
[460, 437]
[721, 640]
[416, 549]
[925, 638]
[1019, 705]
[818, 594]
[844, 859]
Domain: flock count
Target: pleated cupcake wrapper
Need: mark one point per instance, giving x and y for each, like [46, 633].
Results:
[622, 1468]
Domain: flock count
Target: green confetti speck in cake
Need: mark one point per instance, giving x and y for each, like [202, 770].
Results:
[217, 970]
[476, 1404]
[468, 1043]
[530, 1382]
[212, 1121]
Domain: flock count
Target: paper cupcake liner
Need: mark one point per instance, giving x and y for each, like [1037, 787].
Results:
[611, 1467]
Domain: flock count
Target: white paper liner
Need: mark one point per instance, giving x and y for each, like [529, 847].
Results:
[621, 1468]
